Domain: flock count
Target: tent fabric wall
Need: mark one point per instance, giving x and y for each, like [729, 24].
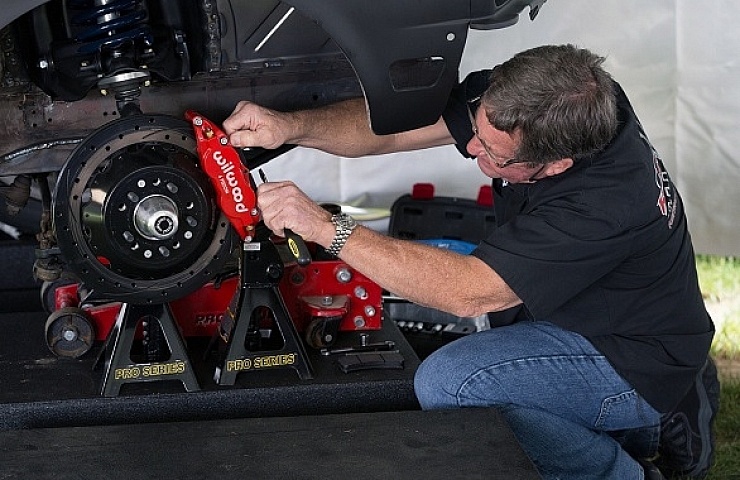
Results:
[678, 61]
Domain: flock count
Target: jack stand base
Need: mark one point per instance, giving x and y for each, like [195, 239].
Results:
[120, 369]
[239, 358]
[261, 271]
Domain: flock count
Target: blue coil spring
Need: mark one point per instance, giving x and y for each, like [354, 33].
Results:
[108, 24]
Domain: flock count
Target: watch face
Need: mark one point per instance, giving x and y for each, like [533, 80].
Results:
[348, 221]
[345, 220]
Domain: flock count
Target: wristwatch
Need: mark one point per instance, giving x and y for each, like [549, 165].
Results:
[344, 224]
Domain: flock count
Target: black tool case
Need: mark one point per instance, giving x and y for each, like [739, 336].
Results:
[423, 216]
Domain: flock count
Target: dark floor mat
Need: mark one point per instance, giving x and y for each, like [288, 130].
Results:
[39, 390]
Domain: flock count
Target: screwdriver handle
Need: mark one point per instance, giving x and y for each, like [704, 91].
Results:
[296, 245]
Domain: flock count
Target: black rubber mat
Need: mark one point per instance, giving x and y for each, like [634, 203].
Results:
[39, 390]
[443, 445]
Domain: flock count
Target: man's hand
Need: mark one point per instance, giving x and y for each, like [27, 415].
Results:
[251, 125]
[284, 205]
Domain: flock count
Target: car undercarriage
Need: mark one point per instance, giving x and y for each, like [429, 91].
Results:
[98, 166]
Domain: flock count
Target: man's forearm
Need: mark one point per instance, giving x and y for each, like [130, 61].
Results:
[459, 284]
[344, 129]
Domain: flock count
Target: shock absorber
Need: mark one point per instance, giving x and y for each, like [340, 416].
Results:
[116, 39]
[108, 24]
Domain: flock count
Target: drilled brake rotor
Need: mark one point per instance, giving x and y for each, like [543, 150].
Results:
[135, 218]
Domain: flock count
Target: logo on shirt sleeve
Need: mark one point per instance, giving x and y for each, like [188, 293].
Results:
[666, 200]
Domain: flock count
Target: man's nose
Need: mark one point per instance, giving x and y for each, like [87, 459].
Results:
[474, 147]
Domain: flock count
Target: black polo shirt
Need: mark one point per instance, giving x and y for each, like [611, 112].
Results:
[603, 250]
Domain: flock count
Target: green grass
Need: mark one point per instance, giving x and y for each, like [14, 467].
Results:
[726, 342]
[727, 433]
[718, 275]
[719, 278]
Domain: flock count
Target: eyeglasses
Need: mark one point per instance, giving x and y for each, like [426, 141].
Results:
[473, 107]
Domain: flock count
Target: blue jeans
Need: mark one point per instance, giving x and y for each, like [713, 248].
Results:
[572, 413]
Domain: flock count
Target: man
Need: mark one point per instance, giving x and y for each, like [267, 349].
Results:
[605, 335]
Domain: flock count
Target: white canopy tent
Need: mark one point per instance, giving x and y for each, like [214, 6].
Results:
[678, 61]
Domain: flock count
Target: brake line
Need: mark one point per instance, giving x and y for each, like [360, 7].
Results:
[38, 146]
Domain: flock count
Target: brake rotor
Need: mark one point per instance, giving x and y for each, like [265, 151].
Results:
[135, 218]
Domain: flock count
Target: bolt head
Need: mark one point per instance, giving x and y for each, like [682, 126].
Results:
[344, 275]
[69, 334]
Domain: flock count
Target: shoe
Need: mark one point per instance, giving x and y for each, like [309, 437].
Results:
[686, 447]
[651, 471]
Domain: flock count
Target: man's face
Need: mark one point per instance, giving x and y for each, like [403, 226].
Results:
[495, 152]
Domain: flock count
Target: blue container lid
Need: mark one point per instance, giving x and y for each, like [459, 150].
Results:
[457, 246]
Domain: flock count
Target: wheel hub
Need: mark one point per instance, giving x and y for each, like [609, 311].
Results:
[155, 218]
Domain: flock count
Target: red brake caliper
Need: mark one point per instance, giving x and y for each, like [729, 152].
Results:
[230, 178]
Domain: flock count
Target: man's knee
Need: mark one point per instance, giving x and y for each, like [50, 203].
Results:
[449, 378]
[432, 386]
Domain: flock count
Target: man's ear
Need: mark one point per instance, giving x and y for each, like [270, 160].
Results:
[558, 167]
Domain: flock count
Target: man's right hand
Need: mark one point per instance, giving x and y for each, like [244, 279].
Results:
[251, 125]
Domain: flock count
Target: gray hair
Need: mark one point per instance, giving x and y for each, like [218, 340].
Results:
[559, 97]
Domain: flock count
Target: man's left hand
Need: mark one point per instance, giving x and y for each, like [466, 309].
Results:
[284, 205]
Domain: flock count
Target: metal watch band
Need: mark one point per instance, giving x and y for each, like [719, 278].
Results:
[344, 225]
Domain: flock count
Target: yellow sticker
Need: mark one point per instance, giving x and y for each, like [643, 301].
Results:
[294, 248]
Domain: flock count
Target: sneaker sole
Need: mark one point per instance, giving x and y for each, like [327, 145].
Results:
[707, 411]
